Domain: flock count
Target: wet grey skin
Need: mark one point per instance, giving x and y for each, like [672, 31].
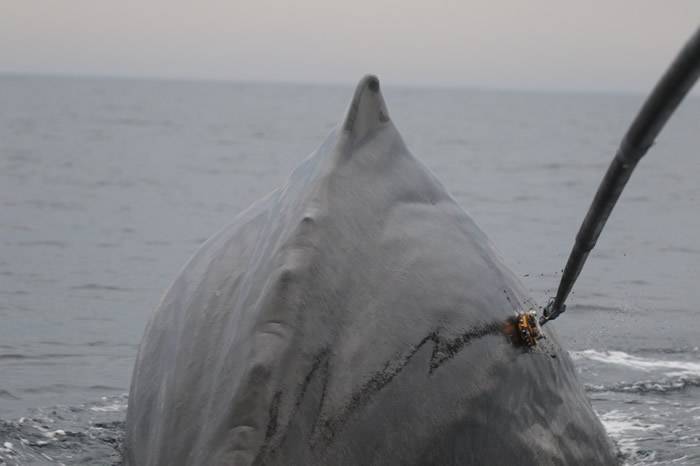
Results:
[353, 317]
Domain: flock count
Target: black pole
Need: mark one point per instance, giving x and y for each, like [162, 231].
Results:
[659, 106]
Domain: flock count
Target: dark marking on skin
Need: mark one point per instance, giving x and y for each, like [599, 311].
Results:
[321, 361]
[444, 349]
[324, 388]
[325, 428]
[505, 292]
[273, 415]
[272, 424]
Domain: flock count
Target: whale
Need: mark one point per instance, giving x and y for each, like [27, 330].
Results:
[354, 316]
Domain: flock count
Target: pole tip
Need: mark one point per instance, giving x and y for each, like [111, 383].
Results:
[550, 312]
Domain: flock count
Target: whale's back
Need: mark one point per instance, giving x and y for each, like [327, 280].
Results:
[353, 317]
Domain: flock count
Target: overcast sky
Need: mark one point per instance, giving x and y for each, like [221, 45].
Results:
[609, 45]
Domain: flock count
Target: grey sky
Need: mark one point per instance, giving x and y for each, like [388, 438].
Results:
[534, 44]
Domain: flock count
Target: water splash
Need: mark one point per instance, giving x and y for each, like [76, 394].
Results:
[80, 435]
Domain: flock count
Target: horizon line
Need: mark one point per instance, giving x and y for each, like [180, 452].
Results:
[343, 83]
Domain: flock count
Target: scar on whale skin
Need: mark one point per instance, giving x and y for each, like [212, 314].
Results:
[325, 430]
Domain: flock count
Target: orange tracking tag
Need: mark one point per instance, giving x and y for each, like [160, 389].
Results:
[523, 330]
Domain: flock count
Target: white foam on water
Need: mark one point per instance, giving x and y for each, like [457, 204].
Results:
[107, 409]
[110, 408]
[627, 432]
[618, 423]
[77, 435]
[670, 367]
[55, 433]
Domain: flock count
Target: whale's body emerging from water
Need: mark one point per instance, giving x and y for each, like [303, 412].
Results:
[351, 318]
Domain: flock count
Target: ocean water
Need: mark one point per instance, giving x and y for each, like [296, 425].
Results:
[108, 186]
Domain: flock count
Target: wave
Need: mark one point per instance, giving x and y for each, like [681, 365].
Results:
[20, 356]
[667, 375]
[595, 307]
[99, 287]
[4, 394]
[647, 386]
[675, 368]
